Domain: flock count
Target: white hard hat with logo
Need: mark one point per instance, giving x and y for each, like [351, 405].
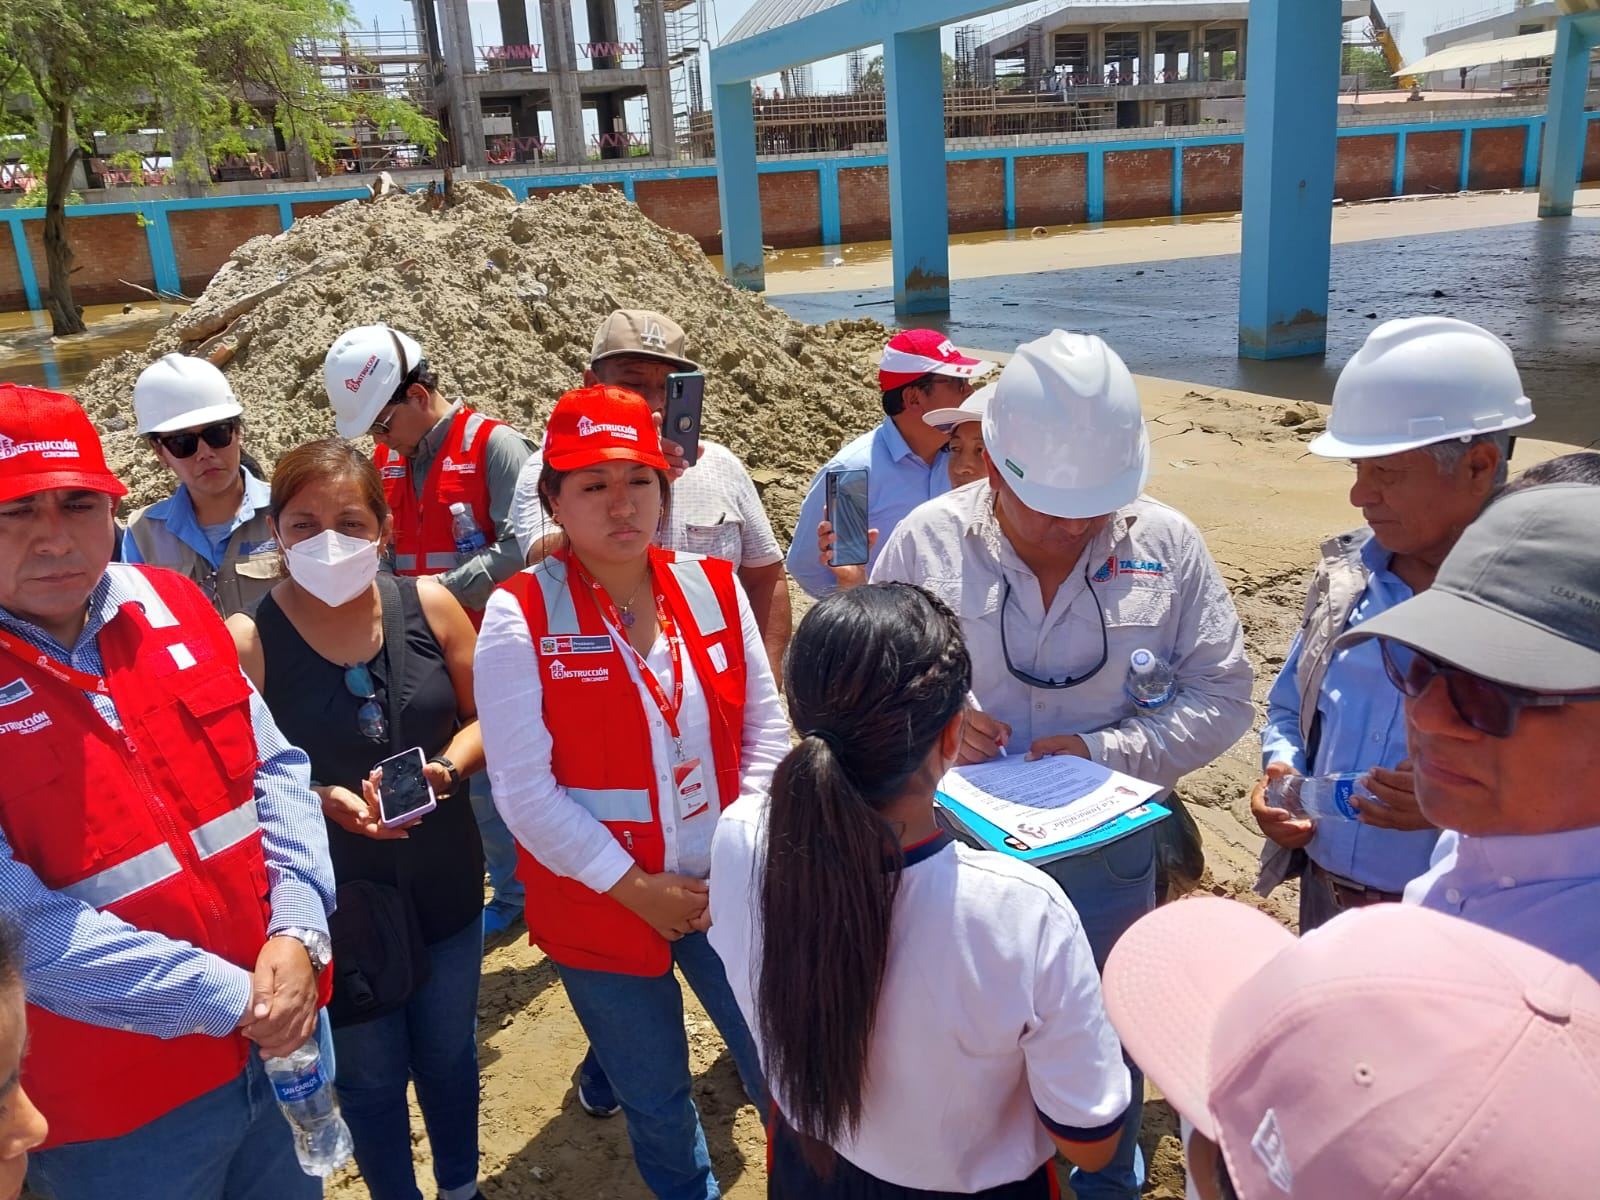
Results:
[362, 371]
[1419, 381]
[1064, 427]
[179, 392]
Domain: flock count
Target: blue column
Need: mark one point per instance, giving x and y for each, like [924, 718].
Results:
[1564, 128]
[828, 202]
[1291, 123]
[733, 122]
[919, 218]
[1466, 157]
[1530, 152]
[19, 242]
[1399, 164]
[285, 213]
[1177, 180]
[1094, 185]
[163, 256]
[1011, 191]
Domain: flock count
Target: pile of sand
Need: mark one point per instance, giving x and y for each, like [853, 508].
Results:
[504, 299]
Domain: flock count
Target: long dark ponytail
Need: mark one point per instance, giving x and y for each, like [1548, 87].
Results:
[872, 677]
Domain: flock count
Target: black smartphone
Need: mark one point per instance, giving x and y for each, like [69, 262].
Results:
[847, 513]
[686, 392]
[404, 792]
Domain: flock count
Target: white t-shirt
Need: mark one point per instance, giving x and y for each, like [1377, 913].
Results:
[990, 1016]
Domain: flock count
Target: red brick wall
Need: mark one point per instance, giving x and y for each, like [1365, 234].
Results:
[977, 191]
[312, 208]
[1433, 162]
[105, 248]
[1591, 152]
[1138, 184]
[1365, 167]
[864, 204]
[1213, 179]
[202, 238]
[791, 209]
[1496, 160]
[1052, 189]
[687, 205]
[11, 294]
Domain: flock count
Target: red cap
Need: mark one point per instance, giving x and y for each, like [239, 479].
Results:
[47, 442]
[601, 424]
[917, 352]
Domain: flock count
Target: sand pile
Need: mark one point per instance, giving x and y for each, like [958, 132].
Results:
[504, 298]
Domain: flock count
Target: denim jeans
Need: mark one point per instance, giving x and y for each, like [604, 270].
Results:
[1112, 887]
[231, 1143]
[432, 1041]
[635, 1027]
[499, 847]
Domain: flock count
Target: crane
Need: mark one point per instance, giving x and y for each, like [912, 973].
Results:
[1391, 49]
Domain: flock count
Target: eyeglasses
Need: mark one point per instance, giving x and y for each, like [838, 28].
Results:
[1054, 684]
[185, 442]
[369, 717]
[1489, 707]
[380, 426]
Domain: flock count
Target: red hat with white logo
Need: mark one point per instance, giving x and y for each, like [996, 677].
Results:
[47, 442]
[600, 424]
[917, 352]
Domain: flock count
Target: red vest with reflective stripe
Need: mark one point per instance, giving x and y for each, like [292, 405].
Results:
[156, 825]
[598, 722]
[423, 541]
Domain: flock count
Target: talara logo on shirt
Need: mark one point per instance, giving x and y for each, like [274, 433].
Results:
[1114, 566]
[575, 645]
[586, 427]
[560, 670]
[56, 448]
[15, 691]
[29, 724]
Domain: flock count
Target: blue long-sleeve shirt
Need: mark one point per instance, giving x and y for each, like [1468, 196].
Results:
[91, 966]
[177, 511]
[1363, 726]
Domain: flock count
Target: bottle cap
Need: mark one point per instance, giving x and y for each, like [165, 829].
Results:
[458, 507]
[1142, 661]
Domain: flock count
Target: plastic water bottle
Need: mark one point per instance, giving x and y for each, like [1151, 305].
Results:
[1323, 797]
[1150, 680]
[321, 1138]
[464, 528]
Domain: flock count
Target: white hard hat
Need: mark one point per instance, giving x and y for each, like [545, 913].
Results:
[362, 371]
[970, 409]
[1064, 428]
[1422, 380]
[179, 392]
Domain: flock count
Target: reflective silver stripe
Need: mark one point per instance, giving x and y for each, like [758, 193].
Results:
[614, 804]
[560, 617]
[126, 878]
[144, 594]
[702, 597]
[231, 828]
[406, 562]
[470, 433]
[439, 562]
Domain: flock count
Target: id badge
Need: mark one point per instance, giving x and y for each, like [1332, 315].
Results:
[689, 780]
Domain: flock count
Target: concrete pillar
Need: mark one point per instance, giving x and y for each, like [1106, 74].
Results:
[603, 28]
[566, 102]
[919, 220]
[514, 30]
[1291, 123]
[1197, 50]
[658, 79]
[1244, 35]
[733, 119]
[1565, 128]
[460, 66]
[1097, 54]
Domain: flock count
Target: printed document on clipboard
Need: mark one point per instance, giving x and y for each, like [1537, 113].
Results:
[1048, 809]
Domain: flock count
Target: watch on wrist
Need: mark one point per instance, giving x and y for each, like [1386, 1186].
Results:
[319, 946]
[455, 775]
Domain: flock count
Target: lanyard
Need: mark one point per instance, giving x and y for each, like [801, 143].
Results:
[669, 630]
[67, 675]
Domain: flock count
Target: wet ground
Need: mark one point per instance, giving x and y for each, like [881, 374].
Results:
[29, 355]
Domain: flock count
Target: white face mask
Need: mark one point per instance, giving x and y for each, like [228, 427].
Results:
[332, 567]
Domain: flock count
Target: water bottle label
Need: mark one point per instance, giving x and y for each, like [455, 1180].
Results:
[300, 1086]
[1343, 789]
[471, 545]
[1160, 701]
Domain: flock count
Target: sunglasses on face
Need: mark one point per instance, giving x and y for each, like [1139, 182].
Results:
[185, 442]
[369, 717]
[1489, 707]
[381, 425]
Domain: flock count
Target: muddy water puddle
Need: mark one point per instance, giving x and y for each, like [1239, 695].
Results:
[29, 355]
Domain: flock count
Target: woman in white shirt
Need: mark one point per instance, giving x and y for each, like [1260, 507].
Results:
[929, 1015]
[625, 701]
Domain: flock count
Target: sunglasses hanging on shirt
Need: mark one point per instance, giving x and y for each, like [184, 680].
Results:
[369, 717]
[1070, 681]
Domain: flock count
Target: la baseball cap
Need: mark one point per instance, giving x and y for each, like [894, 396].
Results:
[600, 424]
[47, 442]
[641, 334]
[970, 409]
[1396, 1053]
[913, 353]
[1517, 599]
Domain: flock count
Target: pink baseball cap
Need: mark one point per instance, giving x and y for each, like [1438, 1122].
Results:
[914, 353]
[1394, 1053]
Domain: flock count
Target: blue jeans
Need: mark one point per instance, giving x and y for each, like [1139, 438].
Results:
[231, 1143]
[635, 1028]
[499, 847]
[433, 1041]
[1111, 888]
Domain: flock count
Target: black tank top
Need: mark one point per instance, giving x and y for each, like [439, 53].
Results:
[443, 857]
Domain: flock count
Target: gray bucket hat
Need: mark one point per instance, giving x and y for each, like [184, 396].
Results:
[1517, 600]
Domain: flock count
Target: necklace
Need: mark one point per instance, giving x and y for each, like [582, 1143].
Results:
[626, 607]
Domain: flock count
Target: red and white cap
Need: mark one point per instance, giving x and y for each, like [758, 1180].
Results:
[592, 425]
[913, 353]
[47, 442]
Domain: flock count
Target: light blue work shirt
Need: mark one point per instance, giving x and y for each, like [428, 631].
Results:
[177, 513]
[897, 481]
[1363, 726]
[1541, 888]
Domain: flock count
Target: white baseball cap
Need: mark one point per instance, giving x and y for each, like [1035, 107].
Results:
[970, 409]
[362, 372]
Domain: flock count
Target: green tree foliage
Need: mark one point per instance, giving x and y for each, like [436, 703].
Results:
[872, 77]
[1370, 67]
[217, 76]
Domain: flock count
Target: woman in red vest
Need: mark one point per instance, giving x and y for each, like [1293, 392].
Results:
[22, 1127]
[626, 700]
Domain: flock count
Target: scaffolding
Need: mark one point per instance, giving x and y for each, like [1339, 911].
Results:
[393, 63]
[686, 39]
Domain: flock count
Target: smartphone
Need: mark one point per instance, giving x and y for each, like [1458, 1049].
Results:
[404, 792]
[680, 422]
[847, 513]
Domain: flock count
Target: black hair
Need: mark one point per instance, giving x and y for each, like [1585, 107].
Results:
[10, 954]
[1582, 466]
[872, 677]
[422, 373]
[894, 400]
[1225, 1187]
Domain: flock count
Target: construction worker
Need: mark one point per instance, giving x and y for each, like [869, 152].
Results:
[213, 529]
[159, 847]
[1060, 570]
[435, 455]
[1425, 411]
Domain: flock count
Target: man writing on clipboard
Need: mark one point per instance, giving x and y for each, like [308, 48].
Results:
[1059, 570]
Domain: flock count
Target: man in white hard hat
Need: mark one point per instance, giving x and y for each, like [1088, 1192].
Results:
[440, 461]
[1060, 569]
[1425, 411]
[214, 528]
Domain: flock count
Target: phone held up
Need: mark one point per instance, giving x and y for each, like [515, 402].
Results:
[680, 422]
[404, 793]
[846, 501]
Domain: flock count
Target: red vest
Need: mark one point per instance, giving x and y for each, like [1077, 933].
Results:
[423, 541]
[156, 825]
[601, 734]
